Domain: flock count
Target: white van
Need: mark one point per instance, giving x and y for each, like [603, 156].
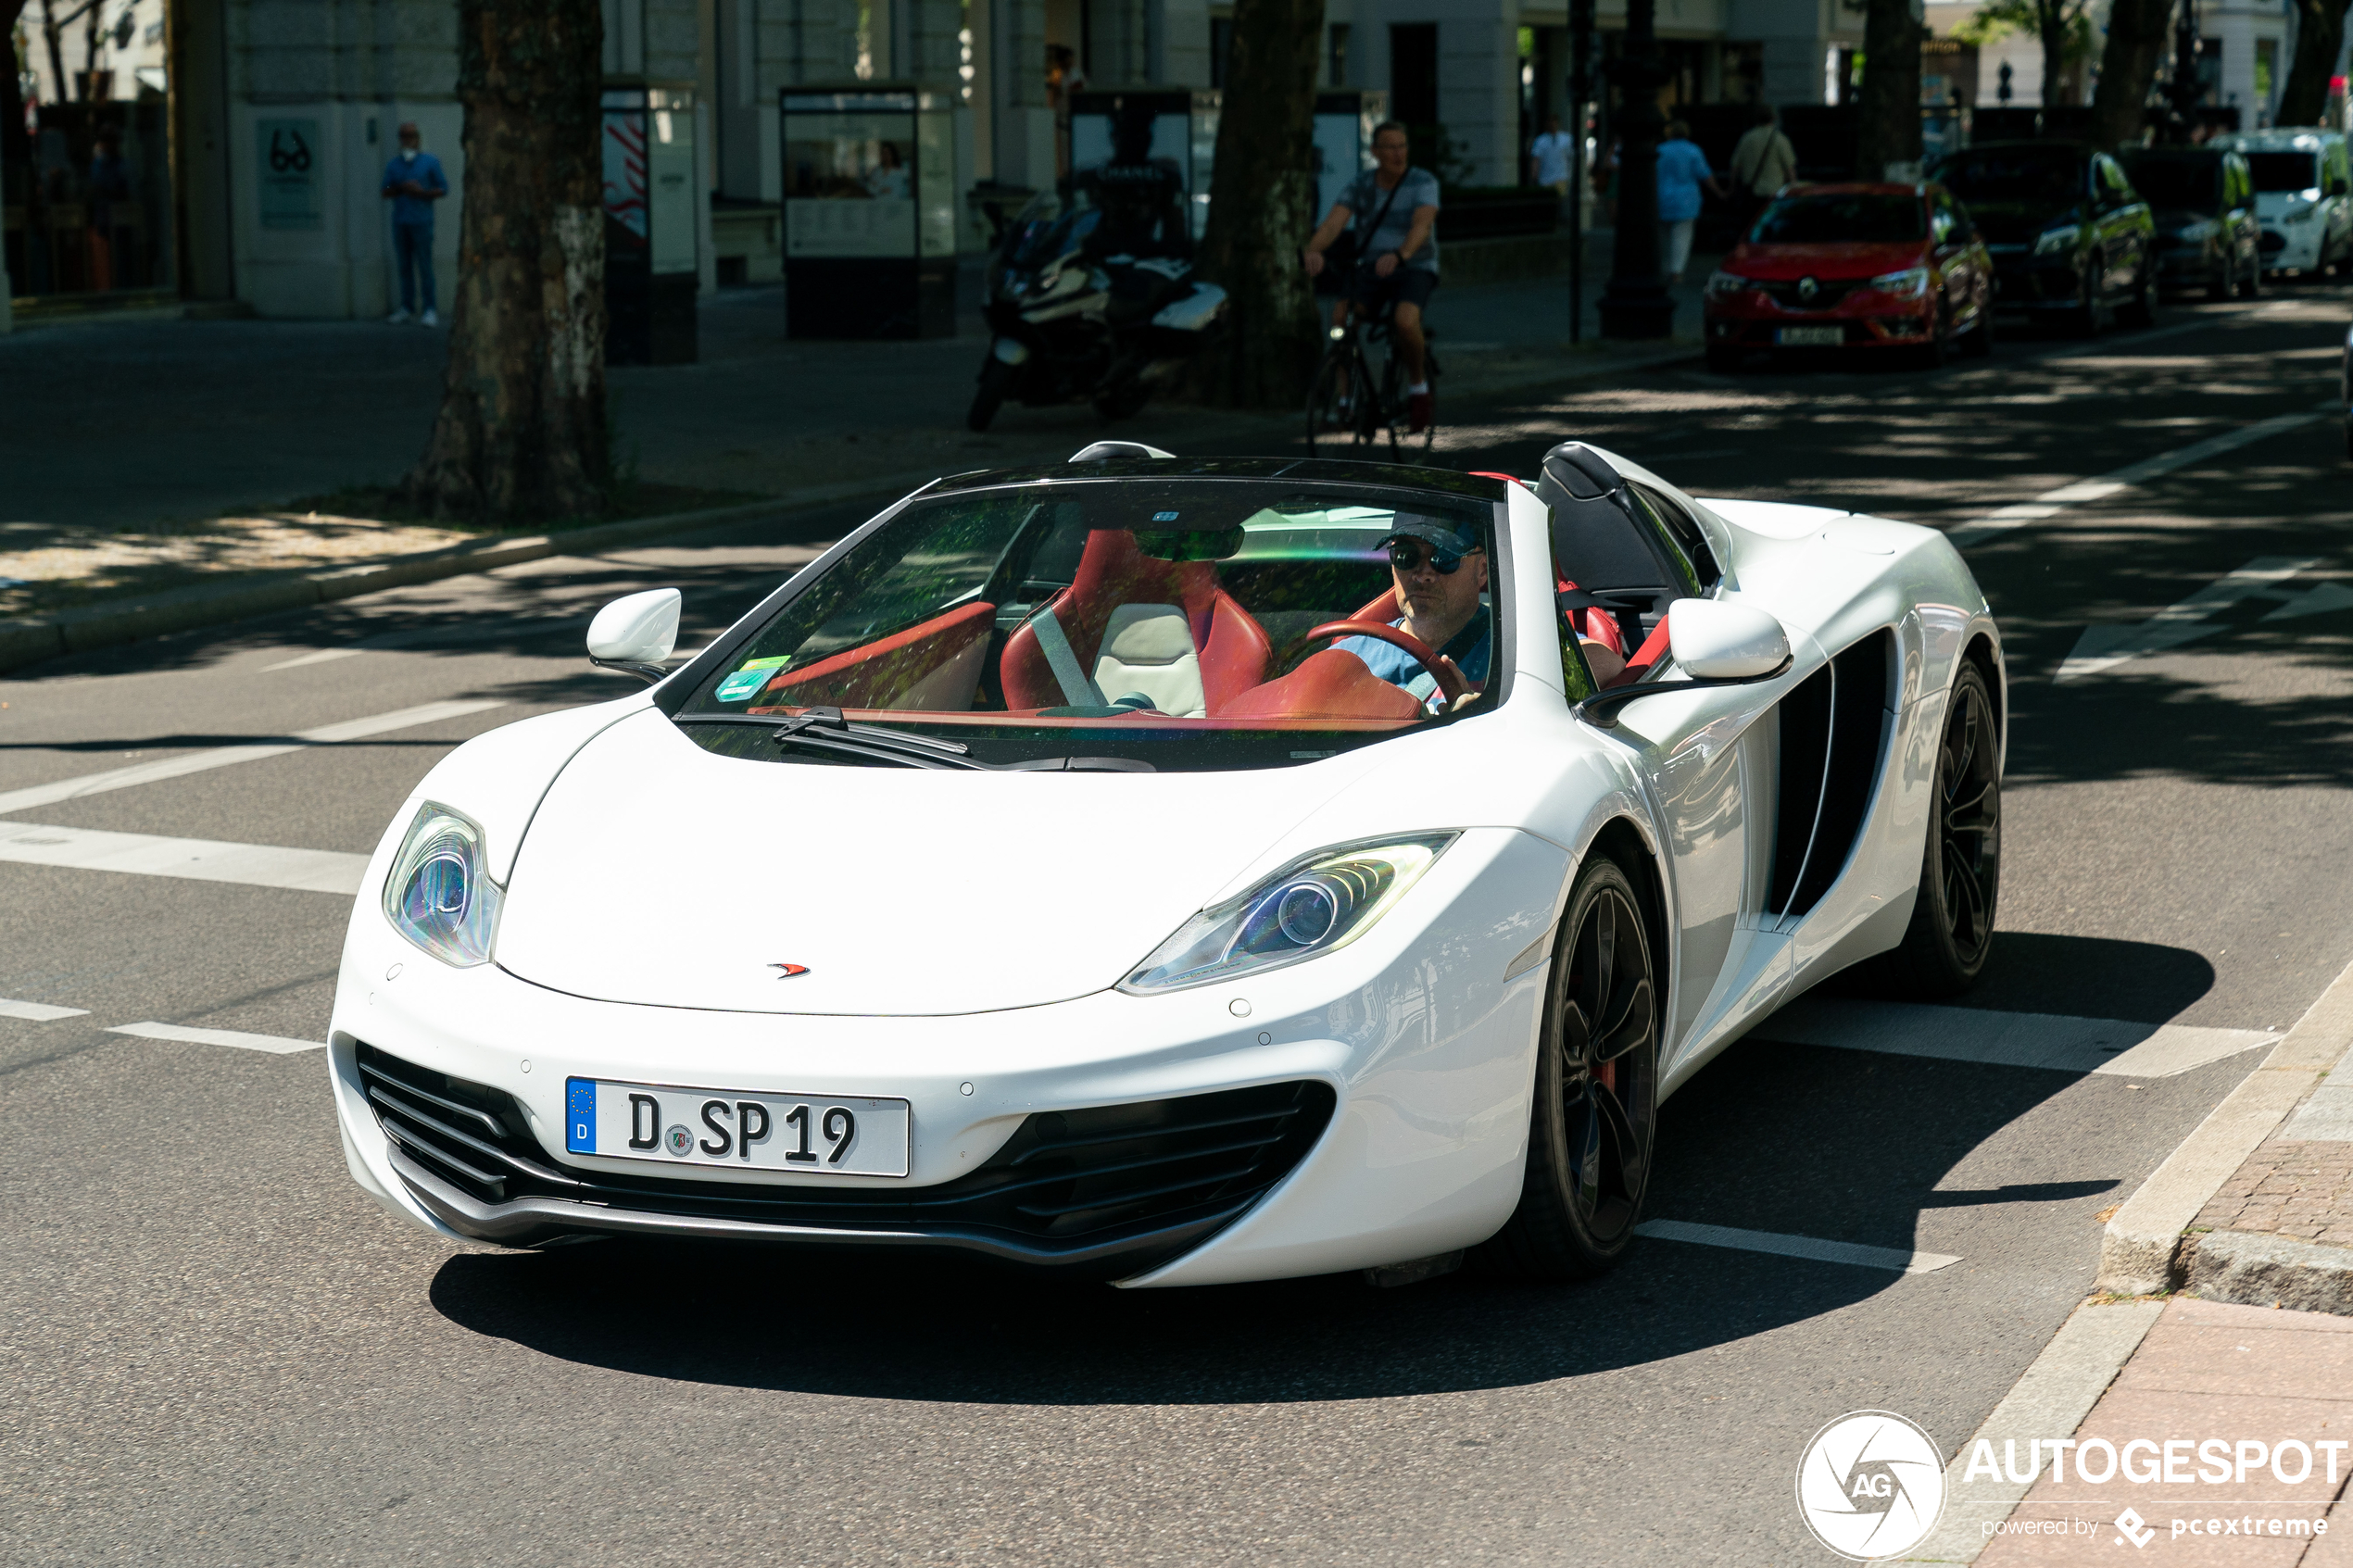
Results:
[2303, 197]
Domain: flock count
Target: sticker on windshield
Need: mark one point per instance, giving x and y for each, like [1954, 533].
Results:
[749, 679]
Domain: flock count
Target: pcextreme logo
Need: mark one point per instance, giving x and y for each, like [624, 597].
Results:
[1870, 1486]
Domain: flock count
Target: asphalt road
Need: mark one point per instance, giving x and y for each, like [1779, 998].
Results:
[217, 1350]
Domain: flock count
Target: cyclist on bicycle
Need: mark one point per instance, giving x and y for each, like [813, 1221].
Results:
[1393, 207]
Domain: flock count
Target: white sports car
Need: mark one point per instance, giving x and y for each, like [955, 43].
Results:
[1179, 872]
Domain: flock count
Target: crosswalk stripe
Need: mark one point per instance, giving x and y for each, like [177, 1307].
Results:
[83, 784]
[276, 1045]
[200, 859]
[1813, 1248]
[2109, 1046]
[38, 1012]
[2052, 502]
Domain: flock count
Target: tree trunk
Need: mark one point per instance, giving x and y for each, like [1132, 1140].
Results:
[2051, 18]
[1262, 209]
[2320, 31]
[51, 31]
[1888, 122]
[2137, 31]
[522, 430]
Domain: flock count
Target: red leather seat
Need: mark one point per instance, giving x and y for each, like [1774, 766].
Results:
[1232, 647]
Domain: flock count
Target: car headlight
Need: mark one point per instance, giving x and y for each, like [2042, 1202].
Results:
[1911, 280]
[1314, 905]
[439, 895]
[2196, 233]
[2058, 240]
[1722, 285]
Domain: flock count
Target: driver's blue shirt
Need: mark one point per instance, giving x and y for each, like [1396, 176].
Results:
[1394, 664]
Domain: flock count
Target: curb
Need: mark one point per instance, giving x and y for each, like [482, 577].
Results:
[2143, 1251]
[31, 640]
[2256, 1269]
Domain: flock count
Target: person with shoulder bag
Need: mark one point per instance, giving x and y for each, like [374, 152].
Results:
[1393, 258]
[1763, 162]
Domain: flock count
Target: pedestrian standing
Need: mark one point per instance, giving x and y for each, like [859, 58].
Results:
[414, 182]
[1763, 162]
[1682, 170]
[1548, 158]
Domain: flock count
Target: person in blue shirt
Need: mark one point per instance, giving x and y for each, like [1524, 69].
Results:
[1683, 170]
[1441, 570]
[414, 182]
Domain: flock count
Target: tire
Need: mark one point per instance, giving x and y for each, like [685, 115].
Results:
[2087, 316]
[1336, 404]
[1931, 355]
[2225, 283]
[1978, 342]
[1723, 358]
[1593, 1128]
[2251, 286]
[1951, 934]
[2141, 311]
[996, 381]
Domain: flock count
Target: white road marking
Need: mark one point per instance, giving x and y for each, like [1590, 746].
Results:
[321, 655]
[14, 801]
[2104, 647]
[2052, 502]
[1810, 1247]
[2107, 1045]
[38, 1012]
[199, 860]
[276, 1045]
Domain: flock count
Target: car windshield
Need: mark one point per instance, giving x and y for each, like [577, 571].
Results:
[1182, 622]
[2028, 174]
[1833, 219]
[2191, 183]
[2285, 171]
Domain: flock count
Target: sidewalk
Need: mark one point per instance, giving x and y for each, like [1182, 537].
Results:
[2255, 1380]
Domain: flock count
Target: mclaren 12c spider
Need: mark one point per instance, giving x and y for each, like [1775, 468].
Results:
[1179, 872]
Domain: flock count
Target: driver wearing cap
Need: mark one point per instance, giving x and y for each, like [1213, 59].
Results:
[1441, 570]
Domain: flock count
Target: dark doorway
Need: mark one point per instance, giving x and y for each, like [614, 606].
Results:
[1413, 72]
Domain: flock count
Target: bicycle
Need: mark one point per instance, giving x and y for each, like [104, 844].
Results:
[1350, 406]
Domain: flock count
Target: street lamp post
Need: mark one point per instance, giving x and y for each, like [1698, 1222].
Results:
[1637, 304]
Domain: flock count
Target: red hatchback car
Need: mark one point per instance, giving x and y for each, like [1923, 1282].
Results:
[1864, 267]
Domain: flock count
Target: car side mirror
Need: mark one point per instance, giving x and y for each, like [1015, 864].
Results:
[1716, 644]
[635, 632]
[1716, 640]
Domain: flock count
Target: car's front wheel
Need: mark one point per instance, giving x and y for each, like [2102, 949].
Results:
[1945, 946]
[1592, 1131]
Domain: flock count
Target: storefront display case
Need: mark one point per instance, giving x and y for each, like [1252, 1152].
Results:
[652, 260]
[870, 211]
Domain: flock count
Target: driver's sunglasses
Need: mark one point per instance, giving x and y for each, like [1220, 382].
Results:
[1406, 557]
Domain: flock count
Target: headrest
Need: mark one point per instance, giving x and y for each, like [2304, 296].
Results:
[1580, 470]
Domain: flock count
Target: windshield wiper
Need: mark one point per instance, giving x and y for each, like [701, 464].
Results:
[824, 729]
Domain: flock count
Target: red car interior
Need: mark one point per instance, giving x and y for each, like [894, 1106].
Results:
[897, 670]
[1232, 647]
[1330, 684]
[1449, 678]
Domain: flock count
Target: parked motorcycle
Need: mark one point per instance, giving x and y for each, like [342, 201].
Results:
[1069, 326]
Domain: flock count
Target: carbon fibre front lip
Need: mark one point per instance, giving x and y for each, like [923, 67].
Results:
[531, 1221]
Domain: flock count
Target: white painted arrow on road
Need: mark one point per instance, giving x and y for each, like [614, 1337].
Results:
[2104, 647]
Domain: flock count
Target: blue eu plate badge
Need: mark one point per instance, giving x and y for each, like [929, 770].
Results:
[580, 1115]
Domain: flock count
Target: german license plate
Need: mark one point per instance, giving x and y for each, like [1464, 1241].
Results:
[737, 1129]
[1809, 337]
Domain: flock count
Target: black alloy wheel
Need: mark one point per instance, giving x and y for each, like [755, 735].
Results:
[1951, 934]
[1594, 1127]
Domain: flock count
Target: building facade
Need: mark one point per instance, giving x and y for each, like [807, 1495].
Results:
[233, 150]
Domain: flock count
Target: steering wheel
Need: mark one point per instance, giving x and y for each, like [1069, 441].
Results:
[1450, 680]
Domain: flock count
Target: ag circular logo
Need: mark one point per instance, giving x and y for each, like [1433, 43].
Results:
[1870, 1486]
[679, 1141]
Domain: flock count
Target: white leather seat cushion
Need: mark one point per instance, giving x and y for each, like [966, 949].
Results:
[1148, 648]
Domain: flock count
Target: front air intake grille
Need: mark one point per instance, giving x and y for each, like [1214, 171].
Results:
[1067, 1182]
[1828, 292]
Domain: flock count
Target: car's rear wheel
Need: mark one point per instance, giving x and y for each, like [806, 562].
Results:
[1951, 933]
[1592, 1131]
